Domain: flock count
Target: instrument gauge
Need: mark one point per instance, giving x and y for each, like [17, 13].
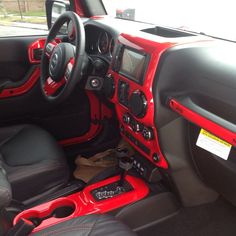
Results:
[103, 43]
[111, 46]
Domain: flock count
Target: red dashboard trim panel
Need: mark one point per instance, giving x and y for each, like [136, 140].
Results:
[203, 122]
[154, 49]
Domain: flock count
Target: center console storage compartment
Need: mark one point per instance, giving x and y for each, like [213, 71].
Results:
[95, 198]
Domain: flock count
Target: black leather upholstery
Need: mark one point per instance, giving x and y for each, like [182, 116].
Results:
[90, 225]
[5, 190]
[33, 161]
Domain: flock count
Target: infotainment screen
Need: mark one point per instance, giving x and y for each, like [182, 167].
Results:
[133, 65]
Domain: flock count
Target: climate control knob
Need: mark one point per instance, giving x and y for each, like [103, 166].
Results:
[138, 104]
[126, 118]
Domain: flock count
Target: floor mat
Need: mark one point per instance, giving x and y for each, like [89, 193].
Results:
[87, 168]
[215, 219]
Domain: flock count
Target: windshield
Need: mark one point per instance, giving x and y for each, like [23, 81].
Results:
[211, 17]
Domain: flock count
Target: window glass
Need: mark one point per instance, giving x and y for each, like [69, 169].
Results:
[22, 17]
[215, 18]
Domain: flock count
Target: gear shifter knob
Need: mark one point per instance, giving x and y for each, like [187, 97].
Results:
[122, 152]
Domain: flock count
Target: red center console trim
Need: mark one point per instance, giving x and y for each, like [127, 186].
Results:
[154, 50]
[153, 47]
[83, 203]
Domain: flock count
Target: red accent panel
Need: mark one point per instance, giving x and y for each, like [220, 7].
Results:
[154, 49]
[12, 92]
[84, 203]
[94, 128]
[154, 46]
[79, 9]
[203, 122]
[39, 44]
[50, 86]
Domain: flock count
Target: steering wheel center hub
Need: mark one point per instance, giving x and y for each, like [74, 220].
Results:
[57, 63]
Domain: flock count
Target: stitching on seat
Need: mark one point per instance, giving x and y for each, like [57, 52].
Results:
[67, 229]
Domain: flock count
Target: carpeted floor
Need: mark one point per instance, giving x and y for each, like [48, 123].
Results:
[215, 219]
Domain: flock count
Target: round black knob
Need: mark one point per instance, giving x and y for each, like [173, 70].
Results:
[108, 86]
[138, 104]
[126, 118]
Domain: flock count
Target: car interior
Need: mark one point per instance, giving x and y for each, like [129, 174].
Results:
[116, 127]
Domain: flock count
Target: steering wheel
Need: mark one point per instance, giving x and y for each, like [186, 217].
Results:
[62, 63]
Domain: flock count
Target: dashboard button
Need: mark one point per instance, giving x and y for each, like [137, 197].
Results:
[147, 133]
[126, 118]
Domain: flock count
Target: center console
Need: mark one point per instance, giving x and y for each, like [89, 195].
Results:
[129, 85]
[101, 197]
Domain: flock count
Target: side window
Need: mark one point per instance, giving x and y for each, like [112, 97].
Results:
[22, 17]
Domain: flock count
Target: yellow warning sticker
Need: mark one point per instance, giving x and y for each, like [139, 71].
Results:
[213, 144]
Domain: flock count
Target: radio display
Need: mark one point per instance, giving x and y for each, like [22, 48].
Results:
[133, 65]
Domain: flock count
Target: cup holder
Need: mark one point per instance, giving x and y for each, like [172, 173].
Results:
[58, 210]
[64, 211]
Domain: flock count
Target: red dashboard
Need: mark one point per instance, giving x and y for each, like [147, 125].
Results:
[134, 99]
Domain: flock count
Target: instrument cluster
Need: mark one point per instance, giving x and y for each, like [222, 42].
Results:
[99, 42]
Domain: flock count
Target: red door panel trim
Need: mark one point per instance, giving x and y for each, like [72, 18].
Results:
[12, 92]
[203, 122]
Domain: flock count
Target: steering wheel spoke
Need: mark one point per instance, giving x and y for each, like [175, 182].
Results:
[69, 69]
[51, 87]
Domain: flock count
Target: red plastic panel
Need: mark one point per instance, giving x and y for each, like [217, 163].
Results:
[97, 111]
[24, 88]
[203, 122]
[39, 44]
[84, 203]
[154, 49]
[154, 46]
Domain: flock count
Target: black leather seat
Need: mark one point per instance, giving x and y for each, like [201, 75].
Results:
[33, 161]
[90, 225]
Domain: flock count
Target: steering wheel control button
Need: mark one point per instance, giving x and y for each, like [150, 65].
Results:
[49, 48]
[147, 133]
[138, 104]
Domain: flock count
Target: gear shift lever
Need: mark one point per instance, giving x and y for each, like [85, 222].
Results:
[119, 187]
[125, 164]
